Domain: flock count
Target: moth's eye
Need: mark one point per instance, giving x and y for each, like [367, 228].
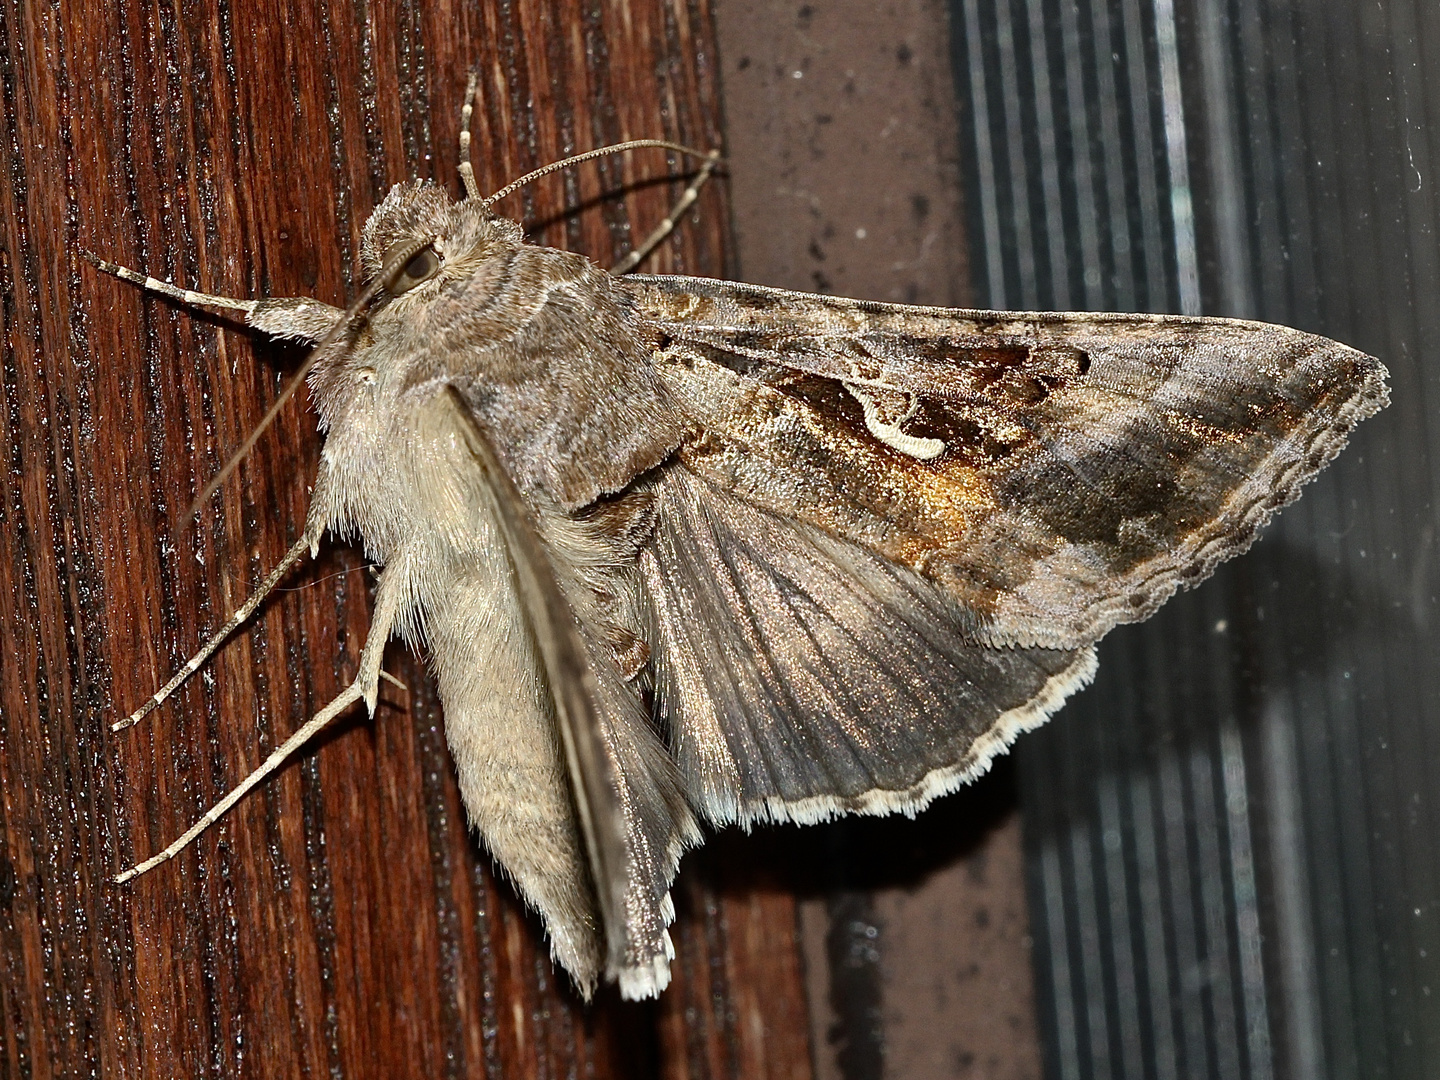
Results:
[423, 265]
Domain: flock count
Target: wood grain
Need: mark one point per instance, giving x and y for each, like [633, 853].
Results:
[341, 921]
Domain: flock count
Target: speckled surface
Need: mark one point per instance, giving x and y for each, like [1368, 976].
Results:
[844, 178]
[841, 133]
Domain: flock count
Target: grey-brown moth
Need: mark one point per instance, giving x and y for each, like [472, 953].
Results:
[694, 552]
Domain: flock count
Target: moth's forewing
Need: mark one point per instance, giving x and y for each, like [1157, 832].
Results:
[1092, 464]
[628, 805]
[486, 617]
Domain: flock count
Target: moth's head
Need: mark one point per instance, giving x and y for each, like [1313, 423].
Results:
[456, 252]
[462, 239]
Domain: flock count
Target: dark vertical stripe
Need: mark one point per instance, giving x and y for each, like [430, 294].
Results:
[1110, 149]
[1009, 66]
[1047, 136]
[1232, 833]
[970, 58]
[853, 944]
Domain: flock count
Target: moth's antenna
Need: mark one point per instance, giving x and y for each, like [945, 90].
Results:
[467, 170]
[342, 328]
[617, 148]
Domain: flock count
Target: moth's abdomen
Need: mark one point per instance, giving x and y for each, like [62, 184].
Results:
[508, 757]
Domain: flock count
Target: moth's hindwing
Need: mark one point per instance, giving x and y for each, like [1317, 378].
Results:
[804, 676]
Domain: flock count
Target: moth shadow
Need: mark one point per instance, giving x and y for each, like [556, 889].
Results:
[609, 196]
[861, 852]
[275, 354]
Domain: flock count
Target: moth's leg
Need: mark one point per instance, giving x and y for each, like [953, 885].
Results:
[295, 318]
[467, 170]
[164, 288]
[243, 612]
[298, 318]
[651, 242]
[366, 687]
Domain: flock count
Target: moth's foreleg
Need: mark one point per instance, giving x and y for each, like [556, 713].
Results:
[165, 288]
[296, 318]
[392, 587]
[243, 612]
[686, 200]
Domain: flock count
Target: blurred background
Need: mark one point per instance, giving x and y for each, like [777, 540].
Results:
[1229, 846]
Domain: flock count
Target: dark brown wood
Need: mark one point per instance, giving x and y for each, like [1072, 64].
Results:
[341, 921]
[738, 1007]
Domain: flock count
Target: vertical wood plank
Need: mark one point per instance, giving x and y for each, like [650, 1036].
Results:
[738, 1007]
[341, 921]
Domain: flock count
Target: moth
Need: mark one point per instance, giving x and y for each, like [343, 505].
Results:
[689, 552]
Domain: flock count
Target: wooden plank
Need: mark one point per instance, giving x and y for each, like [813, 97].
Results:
[341, 921]
[738, 1007]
